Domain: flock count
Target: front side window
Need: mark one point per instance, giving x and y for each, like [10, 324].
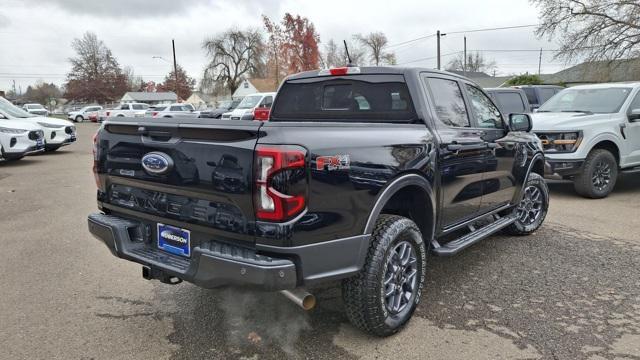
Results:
[449, 102]
[486, 114]
[266, 102]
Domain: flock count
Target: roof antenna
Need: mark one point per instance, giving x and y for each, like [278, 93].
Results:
[346, 49]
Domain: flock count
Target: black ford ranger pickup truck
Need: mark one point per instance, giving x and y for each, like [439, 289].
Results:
[358, 174]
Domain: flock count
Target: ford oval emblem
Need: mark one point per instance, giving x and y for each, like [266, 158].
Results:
[157, 163]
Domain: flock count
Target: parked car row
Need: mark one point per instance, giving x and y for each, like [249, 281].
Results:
[23, 133]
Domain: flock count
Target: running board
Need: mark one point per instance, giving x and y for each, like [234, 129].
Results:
[455, 246]
[632, 170]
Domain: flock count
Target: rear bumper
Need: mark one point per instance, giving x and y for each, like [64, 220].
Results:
[211, 264]
[563, 168]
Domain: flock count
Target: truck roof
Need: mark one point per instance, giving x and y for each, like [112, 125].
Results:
[608, 85]
[401, 70]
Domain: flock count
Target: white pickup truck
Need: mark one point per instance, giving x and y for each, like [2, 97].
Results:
[590, 133]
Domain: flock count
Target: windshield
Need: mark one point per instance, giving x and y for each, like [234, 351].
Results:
[598, 101]
[12, 110]
[249, 102]
[224, 104]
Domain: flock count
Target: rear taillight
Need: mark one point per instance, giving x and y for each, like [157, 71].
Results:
[154, 114]
[280, 178]
[261, 114]
[108, 113]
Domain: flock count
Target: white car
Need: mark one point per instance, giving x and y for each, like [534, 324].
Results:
[84, 113]
[590, 133]
[57, 132]
[245, 110]
[127, 110]
[19, 138]
[36, 109]
[172, 110]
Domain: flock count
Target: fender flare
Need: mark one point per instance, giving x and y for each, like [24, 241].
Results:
[391, 189]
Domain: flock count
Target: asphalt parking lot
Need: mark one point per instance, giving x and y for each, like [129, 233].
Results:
[570, 291]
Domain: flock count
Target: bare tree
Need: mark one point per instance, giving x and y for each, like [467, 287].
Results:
[331, 57]
[591, 29]
[233, 55]
[95, 73]
[375, 43]
[476, 62]
[133, 81]
[356, 52]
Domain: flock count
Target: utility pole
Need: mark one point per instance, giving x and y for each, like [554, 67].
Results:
[438, 36]
[540, 62]
[175, 64]
[464, 67]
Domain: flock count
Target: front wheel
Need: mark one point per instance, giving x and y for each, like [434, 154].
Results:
[383, 296]
[533, 207]
[79, 119]
[599, 175]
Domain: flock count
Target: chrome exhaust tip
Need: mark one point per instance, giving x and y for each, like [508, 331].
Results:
[300, 297]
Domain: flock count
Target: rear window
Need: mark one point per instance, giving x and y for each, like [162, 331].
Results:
[546, 94]
[383, 98]
[511, 102]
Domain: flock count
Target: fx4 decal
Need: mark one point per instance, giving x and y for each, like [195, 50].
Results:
[335, 162]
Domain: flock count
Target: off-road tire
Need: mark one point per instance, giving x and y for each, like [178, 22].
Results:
[584, 183]
[524, 226]
[363, 294]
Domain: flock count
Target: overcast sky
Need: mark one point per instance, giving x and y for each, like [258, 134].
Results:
[35, 36]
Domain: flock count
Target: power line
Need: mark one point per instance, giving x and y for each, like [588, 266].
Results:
[461, 32]
[490, 29]
[429, 58]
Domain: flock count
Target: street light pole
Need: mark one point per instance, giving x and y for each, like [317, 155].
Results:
[464, 67]
[175, 64]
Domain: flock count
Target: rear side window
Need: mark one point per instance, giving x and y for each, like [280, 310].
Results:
[546, 94]
[531, 95]
[511, 102]
[381, 98]
[449, 102]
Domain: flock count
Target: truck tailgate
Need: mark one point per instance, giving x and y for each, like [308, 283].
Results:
[191, 173]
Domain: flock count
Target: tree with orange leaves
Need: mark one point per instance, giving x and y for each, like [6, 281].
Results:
[293, 45]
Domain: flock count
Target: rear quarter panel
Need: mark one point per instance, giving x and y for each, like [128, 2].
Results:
[340, 200]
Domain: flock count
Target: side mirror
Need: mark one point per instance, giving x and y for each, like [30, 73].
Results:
[634, 115]
[520, 122]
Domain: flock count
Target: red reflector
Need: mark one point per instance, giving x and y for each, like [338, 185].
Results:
[339, 71]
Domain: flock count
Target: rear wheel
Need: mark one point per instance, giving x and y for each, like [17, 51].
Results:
[383, 296]
[599, 175]
[533, 207]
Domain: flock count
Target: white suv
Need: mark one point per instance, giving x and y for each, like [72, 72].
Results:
[590, 133]
[84, 113]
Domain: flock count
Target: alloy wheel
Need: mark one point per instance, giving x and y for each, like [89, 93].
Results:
[400, 280]
[530, 207]
[601, 176]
